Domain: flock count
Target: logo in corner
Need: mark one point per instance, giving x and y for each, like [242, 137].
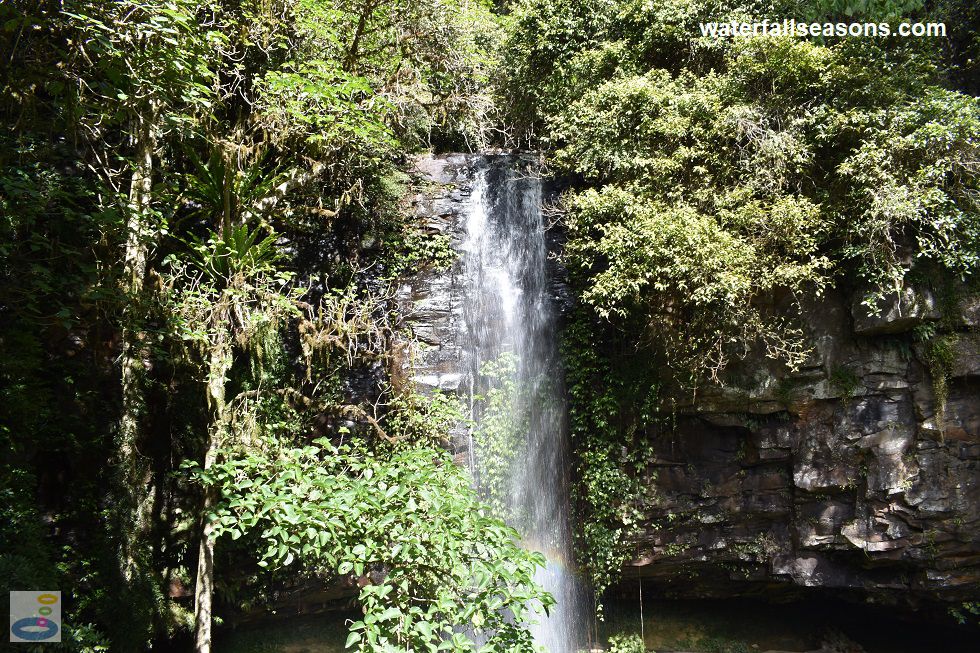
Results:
[35, 616]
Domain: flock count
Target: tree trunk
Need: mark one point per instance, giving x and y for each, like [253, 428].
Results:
[227, 193]
[350, 61]
[220, 359]
[204, 588]
[134, 469]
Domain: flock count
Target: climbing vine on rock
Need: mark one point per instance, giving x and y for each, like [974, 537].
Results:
[501, 435]
[611, 419]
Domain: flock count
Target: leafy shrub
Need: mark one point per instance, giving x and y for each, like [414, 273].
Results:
[626, 644]
[407, 524]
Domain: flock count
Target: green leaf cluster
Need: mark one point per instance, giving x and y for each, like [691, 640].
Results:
[196, 201]
[436, 571]
[501, 434]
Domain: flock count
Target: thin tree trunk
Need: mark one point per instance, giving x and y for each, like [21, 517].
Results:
[350, 61]
[134, 469]
[219, 364]
[204, 588]
[227, 193]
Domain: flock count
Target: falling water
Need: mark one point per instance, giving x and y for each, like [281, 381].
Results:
[520, 450]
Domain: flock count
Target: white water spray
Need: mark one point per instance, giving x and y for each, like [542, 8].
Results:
[508, 309]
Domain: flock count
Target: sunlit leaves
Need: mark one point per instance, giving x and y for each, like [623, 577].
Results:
[916, 177]
[428, 556]
[237, 251]
[324, 105]
[156, 53]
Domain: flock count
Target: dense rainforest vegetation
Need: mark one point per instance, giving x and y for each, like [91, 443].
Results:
[203, 220]
[201, 226]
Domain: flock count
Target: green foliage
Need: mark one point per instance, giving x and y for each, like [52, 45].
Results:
[239, 251]
[174, 170]
[56, 381]
[407, 523]
[694, 282]
[940, 353]
[845, 380]
[318, 102]
[346, 90]
[150, 56]
[915, 174]
[968, 611]
[27, 561]
[717, 181]
[861, 9]
[683, 236]
[229, 293]
[609, 415]
[423, 420]
[625, 644]
[224, 193]
[711, 190]
[541, 39]
[416, 249]
[501, 433]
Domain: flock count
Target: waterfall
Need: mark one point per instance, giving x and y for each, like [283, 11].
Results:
[519, 448]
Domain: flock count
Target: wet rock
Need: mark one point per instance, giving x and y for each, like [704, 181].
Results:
[819, 523]
[966, 355]
[444, 382]
[853, 485]
[842, 476]
[429, 301]
[898, 312]
[812, 570]
[970, 310]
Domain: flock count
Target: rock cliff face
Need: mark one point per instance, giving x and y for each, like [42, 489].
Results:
[845, 475]
[429, 301]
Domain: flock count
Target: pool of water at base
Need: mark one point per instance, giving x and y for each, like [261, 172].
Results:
[751, 626]
[312, 633]
[703, 626]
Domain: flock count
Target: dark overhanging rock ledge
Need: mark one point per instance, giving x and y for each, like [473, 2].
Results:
[843, 476]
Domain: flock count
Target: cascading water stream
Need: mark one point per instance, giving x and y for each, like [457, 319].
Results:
[520, 450]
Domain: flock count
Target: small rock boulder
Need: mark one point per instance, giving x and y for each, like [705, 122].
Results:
[897, 312]
[970, 310]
